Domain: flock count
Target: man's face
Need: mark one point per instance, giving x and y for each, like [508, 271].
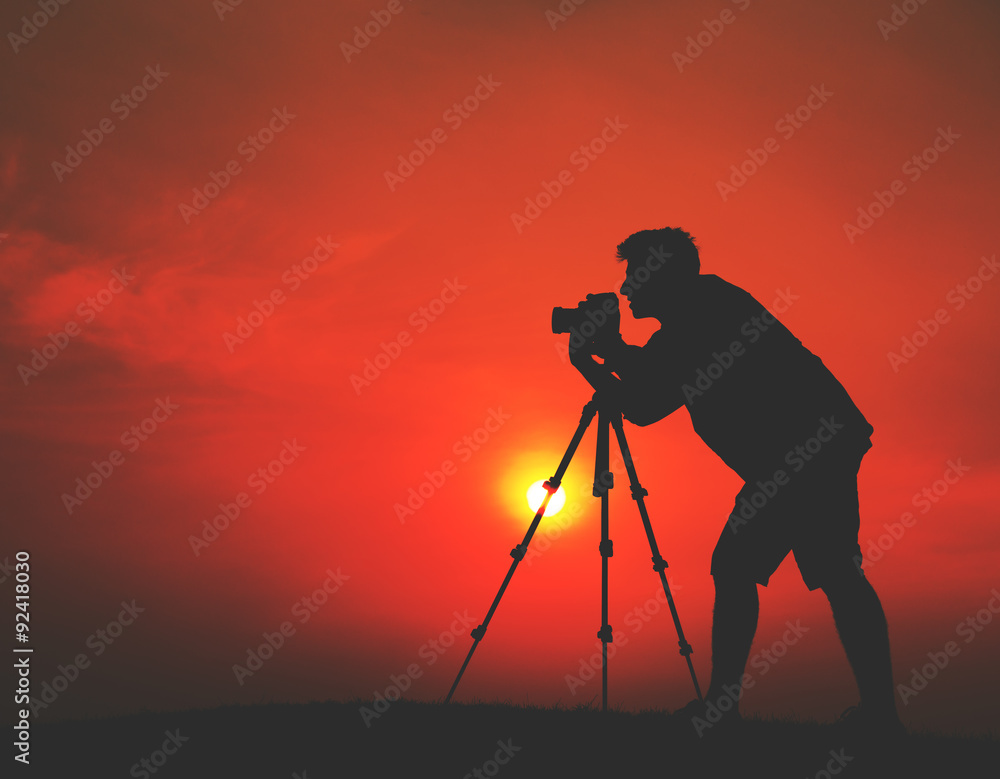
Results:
[653, 290]
[642, 289]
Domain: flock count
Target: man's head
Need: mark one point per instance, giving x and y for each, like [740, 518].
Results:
[660, 264]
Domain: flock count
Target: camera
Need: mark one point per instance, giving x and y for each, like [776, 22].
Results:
[594, 319]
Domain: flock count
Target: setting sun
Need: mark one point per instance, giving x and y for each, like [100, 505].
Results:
[536, 494]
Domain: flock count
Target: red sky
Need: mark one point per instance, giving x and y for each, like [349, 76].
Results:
[316, 177]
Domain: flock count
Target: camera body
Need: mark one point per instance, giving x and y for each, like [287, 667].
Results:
[595, 319]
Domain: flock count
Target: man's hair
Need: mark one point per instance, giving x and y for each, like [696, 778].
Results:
[678, 245]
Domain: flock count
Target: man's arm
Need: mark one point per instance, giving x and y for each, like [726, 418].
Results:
[642, 389]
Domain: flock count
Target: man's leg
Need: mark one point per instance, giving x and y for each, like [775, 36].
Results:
[733, 628]
[832, 559]
[747, 552]
[862, 626]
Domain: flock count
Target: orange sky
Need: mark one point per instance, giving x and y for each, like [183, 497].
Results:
[249, 167]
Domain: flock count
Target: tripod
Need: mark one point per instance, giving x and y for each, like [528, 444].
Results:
[603, 482]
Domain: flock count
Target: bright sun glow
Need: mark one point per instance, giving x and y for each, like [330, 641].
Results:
[536, 494]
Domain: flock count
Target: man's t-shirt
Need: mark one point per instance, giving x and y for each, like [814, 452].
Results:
[753, 390]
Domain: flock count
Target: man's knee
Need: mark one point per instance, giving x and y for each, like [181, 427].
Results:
[730, 567]
[845, 582]
[733, 579]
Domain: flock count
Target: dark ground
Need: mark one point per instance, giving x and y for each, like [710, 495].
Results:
[410, 739]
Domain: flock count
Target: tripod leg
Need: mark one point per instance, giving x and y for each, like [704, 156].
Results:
[519, 551]
[659, 564]
[603, 481]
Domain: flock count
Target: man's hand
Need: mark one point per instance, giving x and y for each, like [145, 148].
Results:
[606, 348]
[598, 375]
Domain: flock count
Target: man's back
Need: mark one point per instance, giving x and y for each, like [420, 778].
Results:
[753, 390]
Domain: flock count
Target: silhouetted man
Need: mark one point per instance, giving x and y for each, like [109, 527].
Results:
[777, 416]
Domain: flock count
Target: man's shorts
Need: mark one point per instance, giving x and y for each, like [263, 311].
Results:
[813, 513]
